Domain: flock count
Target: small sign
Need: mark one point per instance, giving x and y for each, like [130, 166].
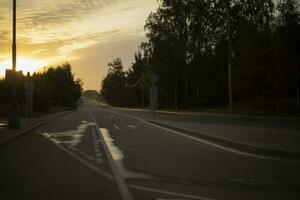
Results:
[153, 78]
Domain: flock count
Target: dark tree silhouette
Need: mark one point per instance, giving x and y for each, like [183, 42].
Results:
[188, 47]
[54, 87]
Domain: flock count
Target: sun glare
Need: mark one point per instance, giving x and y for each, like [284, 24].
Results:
[24, 64]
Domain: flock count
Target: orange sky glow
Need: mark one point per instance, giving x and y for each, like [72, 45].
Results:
[86, 33]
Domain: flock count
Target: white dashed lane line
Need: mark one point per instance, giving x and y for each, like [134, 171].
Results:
[116, 127]
[98, 155]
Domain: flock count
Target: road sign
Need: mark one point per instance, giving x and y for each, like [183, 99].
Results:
[153, 78]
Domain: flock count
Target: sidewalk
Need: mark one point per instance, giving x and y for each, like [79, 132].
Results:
[8, 135]
[281, 143]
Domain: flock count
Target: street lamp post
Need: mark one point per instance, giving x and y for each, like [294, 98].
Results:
[14, 120]
[229, 32]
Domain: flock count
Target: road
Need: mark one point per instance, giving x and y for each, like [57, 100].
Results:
[101, 153]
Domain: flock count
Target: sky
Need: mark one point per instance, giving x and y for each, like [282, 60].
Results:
[86, 33]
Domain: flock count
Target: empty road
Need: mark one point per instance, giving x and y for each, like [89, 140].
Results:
[100, 153]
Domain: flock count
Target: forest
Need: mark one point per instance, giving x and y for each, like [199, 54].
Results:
[204, 50]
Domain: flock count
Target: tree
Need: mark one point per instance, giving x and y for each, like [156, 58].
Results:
[113, 85]
[137, 79]
[190, 43]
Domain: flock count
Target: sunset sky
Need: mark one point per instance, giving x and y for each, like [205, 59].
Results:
[86, 33]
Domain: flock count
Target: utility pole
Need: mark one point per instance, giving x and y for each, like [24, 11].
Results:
[14, 120]
[176, 89]
[297, 88]
[229, 35]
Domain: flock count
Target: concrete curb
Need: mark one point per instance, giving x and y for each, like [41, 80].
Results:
[29, 129]
[235, 145]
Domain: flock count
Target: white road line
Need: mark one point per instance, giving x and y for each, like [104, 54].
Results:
[82, 161]
[168, 192]
[116, 127]
[98, 154]
[207, 142]
[123, 188]
[131, 126]
[172, 199]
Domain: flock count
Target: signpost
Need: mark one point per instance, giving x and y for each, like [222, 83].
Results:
[153, 93]
[28, 96]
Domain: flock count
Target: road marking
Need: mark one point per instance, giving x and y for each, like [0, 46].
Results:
[79, 152]
[131, 126]
[168, 192]
[82, 161]
[116, 127]
[71, 137]
[123, 188]
[232, 150]
[98, 154]
[172, 199]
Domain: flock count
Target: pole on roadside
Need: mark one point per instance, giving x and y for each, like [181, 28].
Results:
[14, 122]
[28, 97]
[229, 32]
[153, 94]
[297, 88]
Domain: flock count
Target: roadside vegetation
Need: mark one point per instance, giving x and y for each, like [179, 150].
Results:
[189, 43]
[55, 89]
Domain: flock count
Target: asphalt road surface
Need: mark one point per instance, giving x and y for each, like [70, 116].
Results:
[102, 153]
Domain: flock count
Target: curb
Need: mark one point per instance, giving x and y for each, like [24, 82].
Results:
[20, 134]
[29, 129]
[287, 155]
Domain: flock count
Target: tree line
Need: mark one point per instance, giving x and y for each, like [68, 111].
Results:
[53, 87]
[190, 44]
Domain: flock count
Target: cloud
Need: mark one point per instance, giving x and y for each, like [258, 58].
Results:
[56, 15]
[57, 30]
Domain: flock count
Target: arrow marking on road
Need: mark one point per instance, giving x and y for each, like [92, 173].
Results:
[70, 137]
[78, 158]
